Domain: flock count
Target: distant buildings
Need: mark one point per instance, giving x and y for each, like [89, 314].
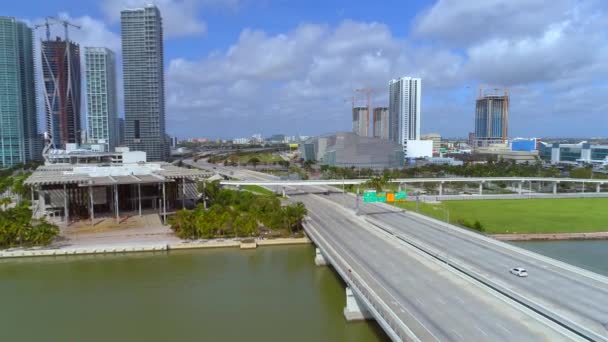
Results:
[61, 75]
[142, 49]
[345, 149]
[404, 109]
[436, 139]
[381, 127]
[19, 139]
[580, 153]
[121, 131]
[491, 120]
[100, 70]
[361, 121]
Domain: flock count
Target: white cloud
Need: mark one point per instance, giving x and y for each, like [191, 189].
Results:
[180, 17]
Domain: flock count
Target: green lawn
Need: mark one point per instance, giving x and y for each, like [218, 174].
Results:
[258, 189]
[577, 215]
[264, 157]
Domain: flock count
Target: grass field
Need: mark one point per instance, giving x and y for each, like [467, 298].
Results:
[258, 189]
[530, 216]
[265, 157]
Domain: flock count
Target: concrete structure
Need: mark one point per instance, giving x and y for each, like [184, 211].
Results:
[348, 149]
[361, 121]
[436, 139]
[404, 109]
[578, 154]
[102, 106]
[80, 191]
[61, 75]
[381, 126]
[143, 72]
[19, 139]
[491, 120]
[418, 149]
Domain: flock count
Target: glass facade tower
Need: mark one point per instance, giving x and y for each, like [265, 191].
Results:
[404, 109]
[19, 139]
[102, 122]
[142, 49]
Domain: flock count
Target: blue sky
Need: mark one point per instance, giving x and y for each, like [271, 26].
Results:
[239, 67]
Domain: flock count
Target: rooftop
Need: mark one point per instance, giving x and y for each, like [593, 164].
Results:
[87, 174]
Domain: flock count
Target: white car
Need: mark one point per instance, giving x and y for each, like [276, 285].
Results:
[520, 272]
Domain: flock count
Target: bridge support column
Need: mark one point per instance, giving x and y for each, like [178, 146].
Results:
[355, 310]
[519, 188]
[583, 183]
[555, 188]
[283, 192]
[440, 188]
[481, 188]
[400, 187]
[598, 187]
[319, 258]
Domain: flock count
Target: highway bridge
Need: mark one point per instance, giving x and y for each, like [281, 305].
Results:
[422, 279]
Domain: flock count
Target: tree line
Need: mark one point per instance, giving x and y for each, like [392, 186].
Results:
[234, 213]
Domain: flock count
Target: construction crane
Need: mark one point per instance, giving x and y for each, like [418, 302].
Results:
[65, 24]
[48, 27]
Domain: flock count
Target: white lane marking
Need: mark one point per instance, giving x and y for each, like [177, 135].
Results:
[503, 328]
[459, 299]
[457, 334]
[419, 301]
[481, 330]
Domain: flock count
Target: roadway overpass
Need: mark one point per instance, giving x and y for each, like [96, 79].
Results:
[421, 277]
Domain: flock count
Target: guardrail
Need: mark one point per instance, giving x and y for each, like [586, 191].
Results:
[518, 298]
[385, 316]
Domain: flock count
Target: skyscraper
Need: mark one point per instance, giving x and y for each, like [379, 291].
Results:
[19, 140]
[142, 49]
[404, 109]
[491, 114]
[100, 70]
[61, 75]
[381, 122]
[361, 121]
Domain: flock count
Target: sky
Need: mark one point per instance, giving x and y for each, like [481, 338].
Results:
[239, 67]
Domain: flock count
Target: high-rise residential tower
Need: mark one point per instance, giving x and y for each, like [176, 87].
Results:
[404, 109]
[102, 121]
[361, 121]
[381, 122]
[19, 139]
[142, 51]
[491, 114]
[61, 75]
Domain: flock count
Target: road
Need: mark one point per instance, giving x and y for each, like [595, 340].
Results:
[576, 294]
[436, 302]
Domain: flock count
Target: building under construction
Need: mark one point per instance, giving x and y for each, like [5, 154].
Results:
[491, 120]
[61, 74]
[361, 121]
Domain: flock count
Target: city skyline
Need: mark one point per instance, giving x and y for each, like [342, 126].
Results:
[206, 40]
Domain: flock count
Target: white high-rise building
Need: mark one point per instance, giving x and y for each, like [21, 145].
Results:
[404, 109]
[102, 110]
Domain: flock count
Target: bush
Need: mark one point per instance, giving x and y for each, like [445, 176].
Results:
[475, 225]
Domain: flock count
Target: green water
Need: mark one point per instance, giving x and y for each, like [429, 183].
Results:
[268, 294]
[591, 255]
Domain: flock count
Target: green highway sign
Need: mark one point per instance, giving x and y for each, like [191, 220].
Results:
[371, 196]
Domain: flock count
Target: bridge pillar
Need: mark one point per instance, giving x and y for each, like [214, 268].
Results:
[481, 188]
[319, 258]
[519, 188]
[598, 187]
[440, 188]
[583, 186]
[555, 188]
[355, 310]
[399, 187]
[283, 192]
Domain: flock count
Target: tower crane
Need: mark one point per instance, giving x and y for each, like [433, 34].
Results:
[65, 24]
[46, 24]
